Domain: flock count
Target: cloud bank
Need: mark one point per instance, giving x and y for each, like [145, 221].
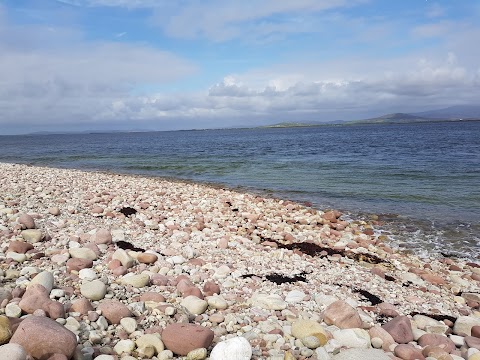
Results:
[60, 77]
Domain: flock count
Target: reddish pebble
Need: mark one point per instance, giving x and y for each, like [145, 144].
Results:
[183, 338]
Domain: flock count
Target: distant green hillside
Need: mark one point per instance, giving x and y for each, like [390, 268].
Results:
[396, 118]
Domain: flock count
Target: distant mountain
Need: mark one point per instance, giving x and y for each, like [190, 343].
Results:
[452, 112]
[395, 118]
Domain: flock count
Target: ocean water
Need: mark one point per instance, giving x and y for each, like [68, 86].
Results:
[423, 180]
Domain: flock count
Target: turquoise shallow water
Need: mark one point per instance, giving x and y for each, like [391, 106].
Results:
[423, 178]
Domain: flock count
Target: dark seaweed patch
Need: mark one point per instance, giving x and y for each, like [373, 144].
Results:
[438, 317]
[127, 211]
[281, 279]
[278, 278]
[373, 299]
[312, 249]
[127, 246]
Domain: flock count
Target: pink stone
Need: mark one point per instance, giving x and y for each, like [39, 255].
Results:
[103, 236]
[77, 264]
[36, 297]
[342, 315]
[42, 337]
[114, 264]
[436, 340]
[20, 247]
[408, 352]
[211, 288]
[377, 331]
[152, 296]
[387, 309]
[183, 338]
[472, 342]
[114, 311]
[400, 329]
[27, 221]
[159, 280]
[193, 290]
[434, 279]
[119, 271]
[476, 331]
[82, 306]
[147, 258]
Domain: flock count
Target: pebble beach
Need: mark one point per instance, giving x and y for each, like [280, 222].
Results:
[104, 266]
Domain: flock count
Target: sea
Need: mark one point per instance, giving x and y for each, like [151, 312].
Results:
[422, 181]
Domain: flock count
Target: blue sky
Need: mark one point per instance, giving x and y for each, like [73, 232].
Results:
[164, 64]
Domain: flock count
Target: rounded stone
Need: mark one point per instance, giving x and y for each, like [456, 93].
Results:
[361, 354]
[93, 290]
[114, 311]
[197, 354]
[5, 330]
[83, 253]
[45, 278]
[124, 347]
[147, 258]
[129, 324]
[27, 221]
[42, 336]
[13, 352]
[137, 280]
[194, 305]
[342, 315]
[182, 338]
[32, 236]
[150, 340]
[237, 348]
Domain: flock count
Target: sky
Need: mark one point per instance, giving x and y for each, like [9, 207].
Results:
[72, 65]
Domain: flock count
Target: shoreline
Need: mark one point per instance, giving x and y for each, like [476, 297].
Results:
[202, 234]
[386, 223]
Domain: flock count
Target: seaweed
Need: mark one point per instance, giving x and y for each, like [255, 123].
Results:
[127, 211]
[312, 249]
[373, 299]
[279, 278]
[125, 245]
[438, 317]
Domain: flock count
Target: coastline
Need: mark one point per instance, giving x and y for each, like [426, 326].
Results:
[201, 233]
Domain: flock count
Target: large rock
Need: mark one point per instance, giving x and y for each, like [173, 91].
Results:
[382, 334]
[408, 352]
[183, 338]
[304, 328]
[400, 329]
[32, 236]
[114, 311]
[342, 315]
[352, 338]
[361, 354]
[5, 330]
[237, 348]
[103, 236]
[268, 301]
[45, 278]
[20, 247]
[12, 352]
[93, 290]
[83, 253]
[27, 221]
[42, 337]
[463, 325]
[194, 305]
[136, 280]
[37, 297]
[436, 340]
[77, 264]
